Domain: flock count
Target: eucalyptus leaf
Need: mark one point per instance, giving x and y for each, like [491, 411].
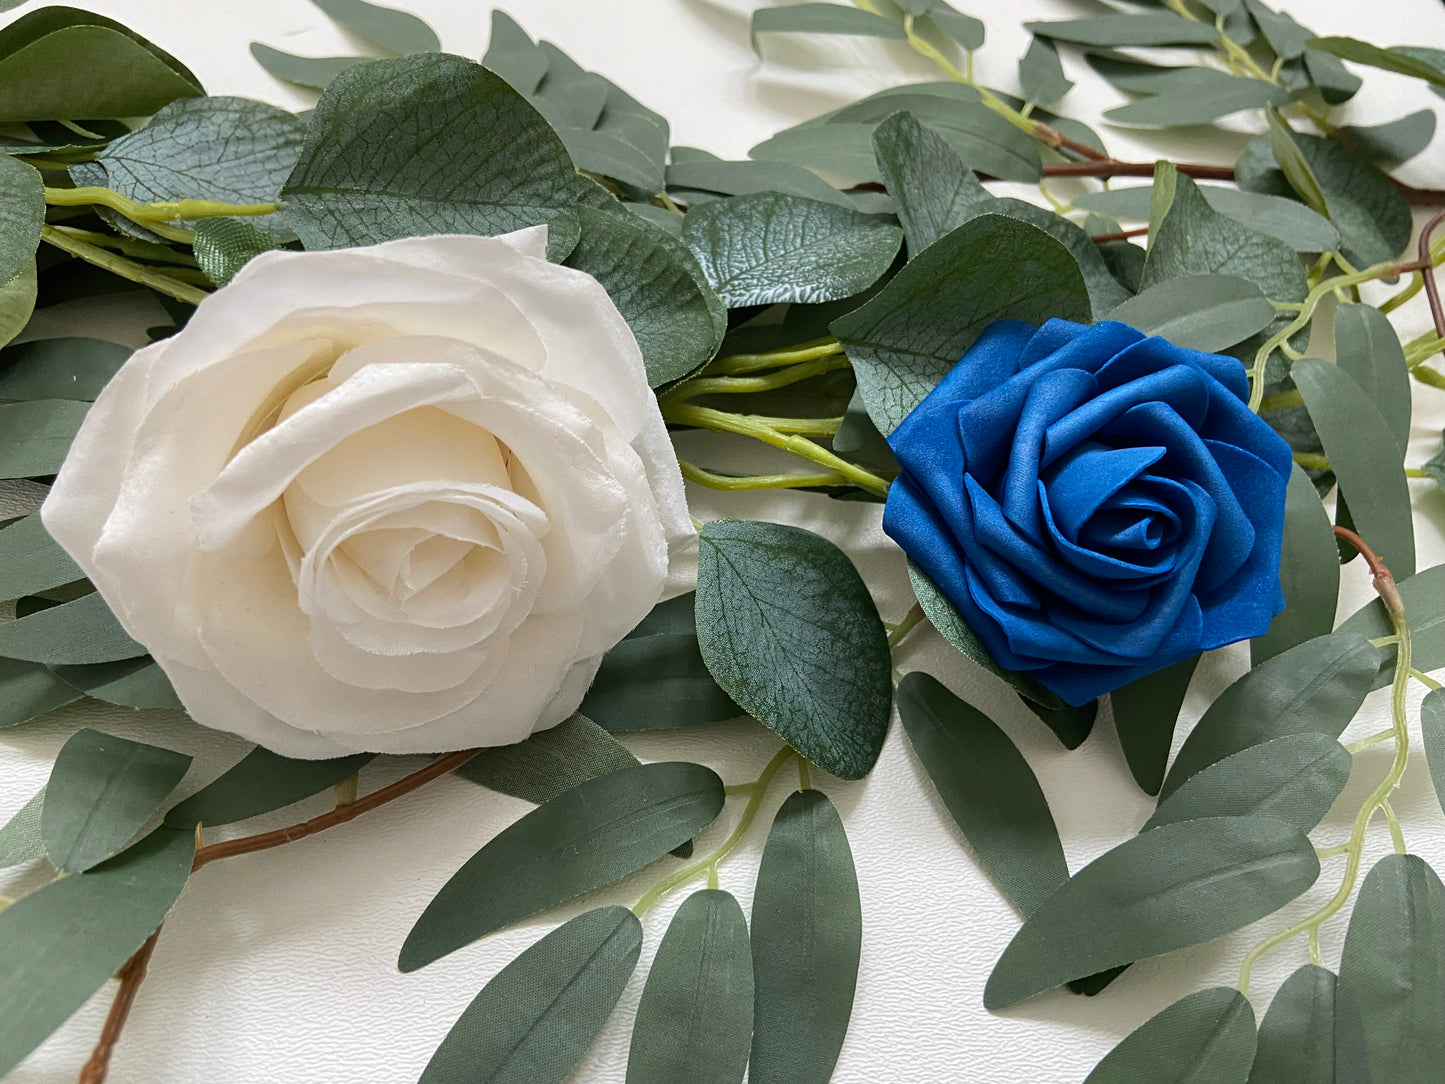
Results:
[32, 561]
[1393, 966]
[807, 936]
[1296, 225]
[225, 245]
[78, 632]
[584, 838]
[17, 303]
[36, 435]
[770, 247]
[1041, 76]
[988, 789]
[536, 1018]
[658, 287]
[1363, 453]
[1368, 348]
[1178, 885]
[986, 141]
[102, 790]
[746, 177]
[1285, 36]
[28, 689]
[63, 942]
[964, 29]
[1292, 162]
[550, 761]
[430, 144]
[822, 19]
[316, 72]
[906, 338]
[1315, 687]
[398, 31]
[513, 55]
[845, 149]
[59, 368]
[1424, 598]
[131, 683]
[20, 837]
[1202, 312]
[1309, 573]
[1121, 30]
[1334, 82]
[22, 214]
[1392, 143]
[1145, 714]
[656, 682]
[1205, 1036]
[1417, 63]
[1432, 730]
[1297, 1038]
[261, 782]
[1205, 95]
[695, 1019]
[61, 63]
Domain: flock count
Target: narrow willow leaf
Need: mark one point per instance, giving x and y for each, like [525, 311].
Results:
[131, 683]
[20, 838]
[1393, 967]
[62, 943]
[1294, 165]
[964, 29]
[28, 689]
[550, 761]
[78, 632]
[513, 55]
[59, 368]
[35, 436]
[656, 682]
[1432, 728]
[260, 782]
[1363, 454]
[658, 287]
[769, 247]
[32, 561]
[1145, 714]
[1198, 96]
[1041, 76]
[316, 72]
[391, 29]
[1295, 779]
[584, 838]
[1333, 80]
[1314, 688]
[477, 159]
[695, 1019]
[61, 63]
[807, 938]
[1417, 63]
[1176, 886]
[985, 140]
[788, 629]
[745, 177]
[225, 245]
[1367, 347]
[1202, 312]
[1424, 598]
[533, 1022]
[906, 338]
[1071, 725]
[102, 790]
[1285, 36]
[1297, 1035]
[1119, 31]
[1309, 572]
[1293, 223]
[988, 789]
[1205, 1036]
[822, 19]
[1392, 143]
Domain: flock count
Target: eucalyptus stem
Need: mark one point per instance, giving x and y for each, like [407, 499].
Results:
[738, 385]
[146, 213]
[910, 621]
[119, 265]
[1425, 679]
[737, 364]
[712, 480]
[759, 788]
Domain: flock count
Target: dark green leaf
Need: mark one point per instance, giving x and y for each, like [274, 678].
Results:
[838, 148]
[32, 561]
[1297, 1041]
[988, 789]
[1333, 80]
[746, 177]
[769, 247]
[1392, 143]
[63, 942]
[550, 761]
[1145, 714]
[430, 144]
[658, 287]
[1434, 466]
[1419, 64]
[316, 72]
[807, 937]
[1202, 312]
[1393, 967]
[1293, 164]
[20, 838]
[1295, 779]
[533, 1022]
[61, 63]
[102, 790]
[656, 682]
[1314, 688]
[1367, 347]
[1041, 76]
[1071, 725]
[28, 689]
[262, 781]
[788, 629]
[1118, 31]
[905, 339]
[387, 27]
[35, 436]
[59, 368]
[1308, 573]
[1296, 225]
[1424, 598]
[78, 632]
[586, 837]
[695, 1020]
[1363, 454]
[822, 19]
[1125, 262]
[986, 141]
[1432, 729]
[1198, 96]
[1175, 886]
[1205, 1036]
[22, 214]
[225, 245]
[131, 683]
[17, 302]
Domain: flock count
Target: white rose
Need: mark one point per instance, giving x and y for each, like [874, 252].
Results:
[388, 499]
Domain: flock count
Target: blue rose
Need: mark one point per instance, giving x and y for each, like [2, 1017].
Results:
[1096, 504]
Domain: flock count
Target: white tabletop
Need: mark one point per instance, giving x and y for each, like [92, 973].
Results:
[280, 966]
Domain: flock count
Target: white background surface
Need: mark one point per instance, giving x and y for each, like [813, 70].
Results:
[280, 966]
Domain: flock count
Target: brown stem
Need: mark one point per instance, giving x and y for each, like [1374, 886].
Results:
[130, 977]
[1113, 167]
[1384, 581]
[1427, 271]
[1055, 138]
[1121, 235]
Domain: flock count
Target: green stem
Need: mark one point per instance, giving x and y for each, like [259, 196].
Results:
[119, 265]
[146, 213]
[804, 780]
[702, 865]
[742, 385]
[735, 364]
[703, 477]
[1425, 679]
[907, 625]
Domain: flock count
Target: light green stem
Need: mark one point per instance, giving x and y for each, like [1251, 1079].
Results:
[735, 364]
[910, 621]
[146, 213]
[119, 265]
[703, 477]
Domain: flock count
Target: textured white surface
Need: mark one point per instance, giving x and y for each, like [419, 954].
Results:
[279, 967]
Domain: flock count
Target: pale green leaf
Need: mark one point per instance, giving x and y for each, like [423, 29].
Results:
[1293, 223]
[1202, 312]
[225, 245]
[260, 782]
[1041, 76]
[1432, 730]
[822, 19]
[1368, 348]
[391, 29]
[1120, 30]
[316, 72]
[36, 435]
[32, 561]
[1309, 573]
[20, 837]
[1392, 143]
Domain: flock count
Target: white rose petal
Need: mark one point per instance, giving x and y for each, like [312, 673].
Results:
[389, 499]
